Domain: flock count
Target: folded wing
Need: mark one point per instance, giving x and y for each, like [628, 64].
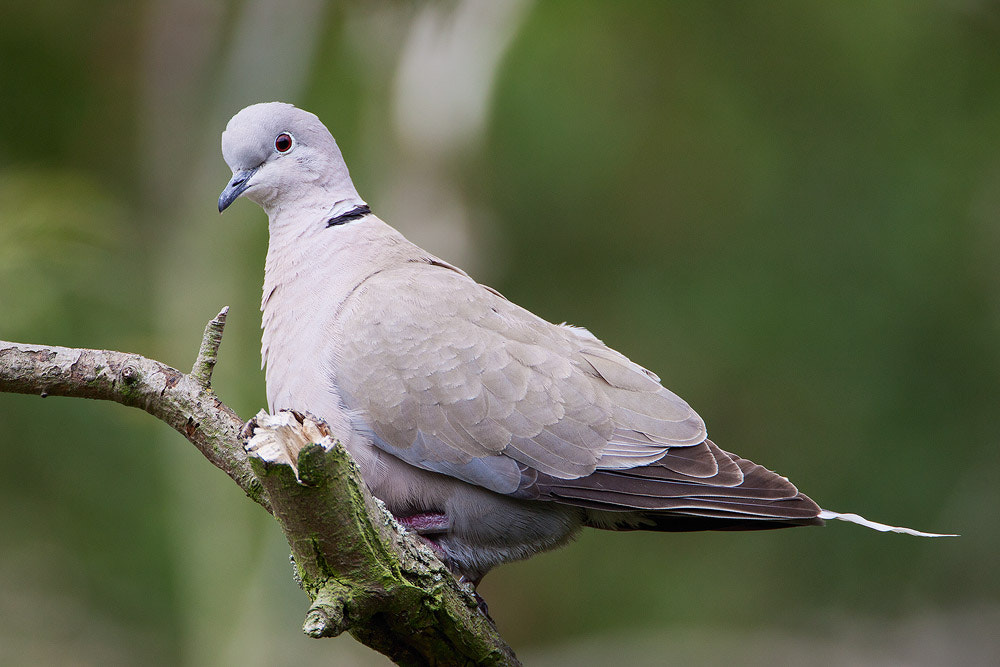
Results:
[454, 378]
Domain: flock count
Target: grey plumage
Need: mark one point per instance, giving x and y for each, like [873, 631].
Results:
[492, 432]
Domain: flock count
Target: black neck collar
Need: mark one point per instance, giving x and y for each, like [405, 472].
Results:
[355, 213]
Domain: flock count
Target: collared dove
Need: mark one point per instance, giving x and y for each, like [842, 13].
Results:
[489, 431]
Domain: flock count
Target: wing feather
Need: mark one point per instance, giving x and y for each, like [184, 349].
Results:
[447, 371]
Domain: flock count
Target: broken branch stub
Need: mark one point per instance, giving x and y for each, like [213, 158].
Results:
[363, 573]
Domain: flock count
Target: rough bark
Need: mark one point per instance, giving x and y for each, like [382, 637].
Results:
[362, 571]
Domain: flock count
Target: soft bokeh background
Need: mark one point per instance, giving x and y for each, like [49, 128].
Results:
[788, 210]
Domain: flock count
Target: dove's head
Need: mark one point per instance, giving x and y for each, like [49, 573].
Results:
[281, 154]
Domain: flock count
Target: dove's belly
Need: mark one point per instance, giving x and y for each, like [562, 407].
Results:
[484, 529]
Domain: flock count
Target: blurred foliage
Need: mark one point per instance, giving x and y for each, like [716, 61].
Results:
[787, 210]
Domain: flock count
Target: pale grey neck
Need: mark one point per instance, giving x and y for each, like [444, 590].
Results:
[311, 198]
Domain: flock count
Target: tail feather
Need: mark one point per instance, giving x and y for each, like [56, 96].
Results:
[694, 488]
[881, 527]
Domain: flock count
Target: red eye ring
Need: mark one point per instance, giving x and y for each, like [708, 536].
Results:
[283, 142]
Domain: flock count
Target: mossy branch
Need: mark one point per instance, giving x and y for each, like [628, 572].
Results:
[363, 573]
[208, 354]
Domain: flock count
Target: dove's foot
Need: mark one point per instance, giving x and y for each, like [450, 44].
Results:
[425, 524]
[247, 431]
[483, 607]
[480, 602]
[430, 524]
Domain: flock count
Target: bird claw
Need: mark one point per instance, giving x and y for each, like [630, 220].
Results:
[480, 601]
[248, 428]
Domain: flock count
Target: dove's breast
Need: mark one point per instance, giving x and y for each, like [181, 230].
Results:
[308, 275]
[307, 283]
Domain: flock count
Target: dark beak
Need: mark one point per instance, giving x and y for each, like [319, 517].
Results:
[237, 184]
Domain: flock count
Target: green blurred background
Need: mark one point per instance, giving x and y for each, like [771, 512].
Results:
[786, 209]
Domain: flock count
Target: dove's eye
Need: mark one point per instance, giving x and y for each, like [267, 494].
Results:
[283, 142]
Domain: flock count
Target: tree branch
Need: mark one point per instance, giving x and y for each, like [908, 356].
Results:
[179, 400]
[208, 354]
[363, 573]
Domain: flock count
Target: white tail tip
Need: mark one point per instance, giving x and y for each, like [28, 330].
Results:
[874, 525]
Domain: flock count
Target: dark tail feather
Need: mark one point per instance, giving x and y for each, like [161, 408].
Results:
[694, 488]
[740, 496]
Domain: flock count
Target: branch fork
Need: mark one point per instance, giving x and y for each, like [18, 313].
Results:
[362, 571]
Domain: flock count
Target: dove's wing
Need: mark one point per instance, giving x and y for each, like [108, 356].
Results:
[454, 378]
